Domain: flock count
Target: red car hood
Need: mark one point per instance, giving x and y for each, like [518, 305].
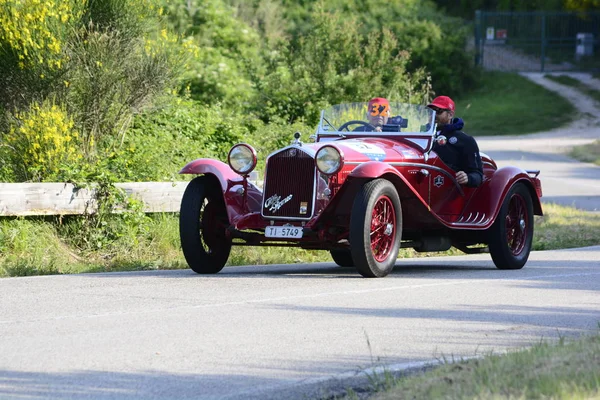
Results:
[374, 149]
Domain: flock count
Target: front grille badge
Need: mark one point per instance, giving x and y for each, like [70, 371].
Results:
[274, 203]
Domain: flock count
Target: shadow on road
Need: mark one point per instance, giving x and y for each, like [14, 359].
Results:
[418, 268]
[539, 317]
[104, 385]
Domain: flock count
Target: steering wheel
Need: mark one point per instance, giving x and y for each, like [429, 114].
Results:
[345, 125]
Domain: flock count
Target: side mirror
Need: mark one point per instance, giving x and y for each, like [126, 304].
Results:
[441, 140]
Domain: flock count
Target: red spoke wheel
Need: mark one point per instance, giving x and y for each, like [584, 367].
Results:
[376, 228]
[202, 225]
[511, 235]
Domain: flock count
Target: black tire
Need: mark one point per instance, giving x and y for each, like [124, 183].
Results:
[375, 243]
[511, 235]
[342, 257]
[202, 225]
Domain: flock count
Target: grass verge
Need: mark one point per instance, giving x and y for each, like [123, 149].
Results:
[587, 153]
[509, 104]
[41, 247]
[565, 227]
[563, 370]
[575, 83]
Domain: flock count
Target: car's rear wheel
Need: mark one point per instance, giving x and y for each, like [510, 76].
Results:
[376, 228]
[342, 257]
[202, 225]
[511, 234]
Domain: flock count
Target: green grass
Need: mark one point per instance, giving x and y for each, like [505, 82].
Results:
[577, 84]
[563, 370]
[42, 247]
[587, 153]
[565, 227]
[509, 104]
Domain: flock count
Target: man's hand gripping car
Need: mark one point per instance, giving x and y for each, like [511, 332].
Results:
[359, 194]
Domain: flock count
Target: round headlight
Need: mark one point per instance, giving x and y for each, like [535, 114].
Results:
[329, 160]
[242, 158]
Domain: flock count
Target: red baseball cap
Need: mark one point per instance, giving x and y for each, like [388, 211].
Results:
[443, 102]
[379, 100]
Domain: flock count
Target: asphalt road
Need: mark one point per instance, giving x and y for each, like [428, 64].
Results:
[289, 331]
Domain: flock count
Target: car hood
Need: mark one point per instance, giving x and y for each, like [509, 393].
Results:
[374, 149]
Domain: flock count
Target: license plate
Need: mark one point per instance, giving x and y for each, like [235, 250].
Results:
[291, 232]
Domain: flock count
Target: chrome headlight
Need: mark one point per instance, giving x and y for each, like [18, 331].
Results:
[329, 160]
[242, 158]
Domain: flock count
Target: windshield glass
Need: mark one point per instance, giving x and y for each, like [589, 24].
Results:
[387, 120]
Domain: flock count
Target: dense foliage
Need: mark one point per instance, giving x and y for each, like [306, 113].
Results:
[102, 86]
[72, 77]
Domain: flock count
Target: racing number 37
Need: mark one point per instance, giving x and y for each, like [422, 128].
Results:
[379, 109]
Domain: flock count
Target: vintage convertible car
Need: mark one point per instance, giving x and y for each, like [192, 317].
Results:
[359, 194]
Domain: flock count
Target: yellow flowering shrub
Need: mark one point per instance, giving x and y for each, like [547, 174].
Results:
[45, 140]
[35, 30]
[165, 42]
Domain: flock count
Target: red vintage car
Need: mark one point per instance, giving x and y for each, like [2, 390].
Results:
[359, 194]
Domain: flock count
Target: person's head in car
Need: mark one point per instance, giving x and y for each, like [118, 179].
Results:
[444, 110]
[378, 111]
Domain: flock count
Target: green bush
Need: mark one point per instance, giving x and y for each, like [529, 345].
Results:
[439, 46]
[335, 63]
[435, 41]
[99, 63]
[226, 51]
[160, 143]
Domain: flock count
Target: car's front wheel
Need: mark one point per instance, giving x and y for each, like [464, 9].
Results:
[375, 228]
[202, 225]
[511, 234]
[342, 257]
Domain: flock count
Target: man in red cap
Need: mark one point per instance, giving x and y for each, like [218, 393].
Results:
[461, 152]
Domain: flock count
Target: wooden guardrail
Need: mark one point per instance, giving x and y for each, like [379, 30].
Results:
[23, 199]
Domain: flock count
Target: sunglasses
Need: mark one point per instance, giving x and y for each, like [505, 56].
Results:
[439, 110]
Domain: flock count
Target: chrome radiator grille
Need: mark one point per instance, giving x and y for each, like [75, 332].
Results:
[289, 185]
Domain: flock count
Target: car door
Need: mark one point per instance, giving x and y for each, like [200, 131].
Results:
[446, 197]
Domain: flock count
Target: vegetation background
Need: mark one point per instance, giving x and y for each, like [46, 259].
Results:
[105, 91]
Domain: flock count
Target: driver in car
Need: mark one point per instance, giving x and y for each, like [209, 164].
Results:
[460, 152]
[378, 114]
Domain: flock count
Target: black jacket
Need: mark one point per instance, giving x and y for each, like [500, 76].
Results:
[461, 152]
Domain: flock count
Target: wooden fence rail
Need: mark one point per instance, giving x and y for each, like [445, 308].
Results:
[23, 199]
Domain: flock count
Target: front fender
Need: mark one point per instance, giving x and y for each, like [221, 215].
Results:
[372, 170]
[231, 185]
[219, 169]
